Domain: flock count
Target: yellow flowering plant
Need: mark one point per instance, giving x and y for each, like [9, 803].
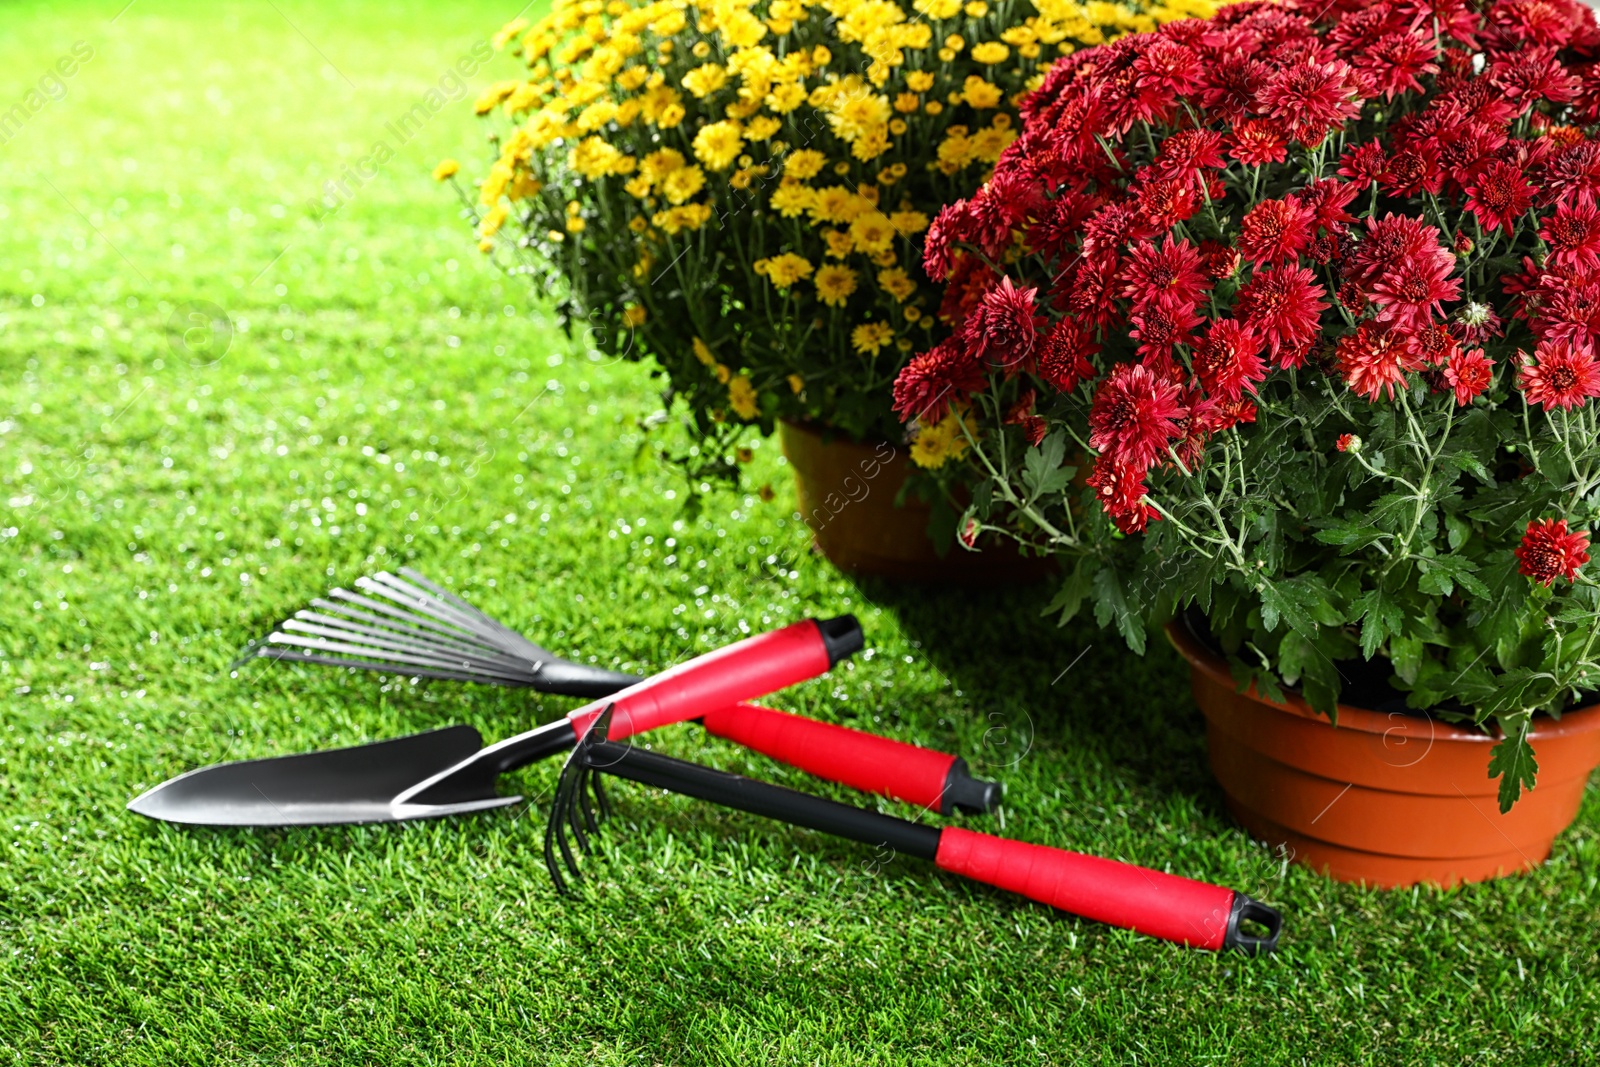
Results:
[737, 189]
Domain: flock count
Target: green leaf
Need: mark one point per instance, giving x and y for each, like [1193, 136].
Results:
[1512, 760]
[1439, 575]
[1406, 655]
[1075, 588]
[1351, 533]
[1042, 472]
[1302, 601]
[1380, 616]
[1112, 606]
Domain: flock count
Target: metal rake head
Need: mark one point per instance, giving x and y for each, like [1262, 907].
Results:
[409, 625]
[571, 807]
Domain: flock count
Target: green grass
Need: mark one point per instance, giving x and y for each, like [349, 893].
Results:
[387, 398]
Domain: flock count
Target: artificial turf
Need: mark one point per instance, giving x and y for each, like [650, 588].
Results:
[387, 398]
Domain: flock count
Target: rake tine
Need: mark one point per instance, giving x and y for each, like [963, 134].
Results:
[435, 662]
[554, 837]
[312, 623]
[600, 797]
[393, 612]
[433, 600]
[582, 797]
[568, 818]
[294, 655]
[550, 865]
[446, 611]
[571, 809]
[390, 620]
[479, 621]
[432, 636]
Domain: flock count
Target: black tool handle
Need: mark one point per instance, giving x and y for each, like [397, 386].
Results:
[761, 798]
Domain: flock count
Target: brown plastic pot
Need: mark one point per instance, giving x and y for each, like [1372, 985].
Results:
[847, 492]
[1386, 799]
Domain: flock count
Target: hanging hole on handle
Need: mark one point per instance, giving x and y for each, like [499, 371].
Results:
[1253, 927]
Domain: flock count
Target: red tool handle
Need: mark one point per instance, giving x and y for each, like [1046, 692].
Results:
[1120, 894]
[934, 780]
[730, 675]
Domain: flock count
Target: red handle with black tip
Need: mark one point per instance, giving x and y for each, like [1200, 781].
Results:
[1119, 894]
[727, 676]
[712, 687]
[765, 663]
[935, 781]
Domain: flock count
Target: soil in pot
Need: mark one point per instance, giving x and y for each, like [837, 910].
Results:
[1389, 797]
[847, 491]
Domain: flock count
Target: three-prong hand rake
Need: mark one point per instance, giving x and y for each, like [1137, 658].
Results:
[1121, 894]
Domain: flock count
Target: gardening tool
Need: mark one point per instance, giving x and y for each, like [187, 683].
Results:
[425, 631]
[1120, 894]
[420, 628]
[447, 772]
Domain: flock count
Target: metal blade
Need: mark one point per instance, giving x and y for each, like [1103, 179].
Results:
[343, 785]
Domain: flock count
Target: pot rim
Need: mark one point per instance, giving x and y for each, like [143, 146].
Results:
[1366, 720]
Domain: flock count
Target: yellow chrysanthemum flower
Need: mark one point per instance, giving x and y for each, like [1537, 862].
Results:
[742, 397]
[704, 80]
[447, 168]
[835, 283]
[718, 144]
[784, 270]
[682, 183]
[870, 337]
[806, 163]
[897, 283]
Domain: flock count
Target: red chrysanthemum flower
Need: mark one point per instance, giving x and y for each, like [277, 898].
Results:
[1363, 164]
[1165, 202]
[1064, 360]
[1158, 328]
[1326, 199]
[1559, 375]
[1218, 261]
[935, 379]
[1005, 327]
[1308, 98]
[1549, 551]
[1228, 360]
[1416, 286]
[1121, 492]
[1021, 414]
[1479, 323]
[1275, 231]
[1498, 194]
[1186, 152]
[1414, 169]
[1389, 242]
[1345, 441]
[1469, 373]
[1133, 416]
[1258, 141]
[1168, 276]
[1282, 306]
[1433, 344]
[1374, 360]
[1573, 232]
[1394, 61]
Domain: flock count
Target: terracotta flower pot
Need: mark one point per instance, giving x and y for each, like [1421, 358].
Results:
[1387, 799]
[847, 492]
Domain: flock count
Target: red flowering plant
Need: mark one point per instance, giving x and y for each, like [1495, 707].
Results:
[1290, 316]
